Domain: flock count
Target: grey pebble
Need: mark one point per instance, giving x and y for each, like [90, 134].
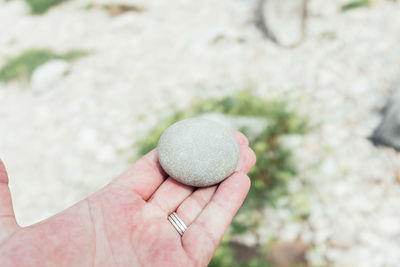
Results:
[388, 131]
[198, 152]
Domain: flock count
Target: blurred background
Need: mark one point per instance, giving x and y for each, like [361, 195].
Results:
[87, 87]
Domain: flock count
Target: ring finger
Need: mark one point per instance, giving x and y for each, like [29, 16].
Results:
[194, 204]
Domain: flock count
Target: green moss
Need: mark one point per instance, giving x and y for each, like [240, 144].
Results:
[22, 66]
[300, 206]
[356, 4]
[72, 55]
[89, 6]
[223, 256]
[226, 255]
[41, 6]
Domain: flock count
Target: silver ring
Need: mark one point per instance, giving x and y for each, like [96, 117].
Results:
[177, 222]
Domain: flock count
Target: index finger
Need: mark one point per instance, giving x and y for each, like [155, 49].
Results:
[143, 177]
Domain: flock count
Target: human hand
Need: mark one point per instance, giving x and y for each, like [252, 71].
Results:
[125, 223]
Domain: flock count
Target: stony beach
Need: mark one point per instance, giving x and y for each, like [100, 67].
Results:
[62, 143]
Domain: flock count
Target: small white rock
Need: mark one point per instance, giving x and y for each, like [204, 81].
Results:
[342, 239]
[48, 74]
[290, 232]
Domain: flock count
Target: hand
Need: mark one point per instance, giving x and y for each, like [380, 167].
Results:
[125, 223]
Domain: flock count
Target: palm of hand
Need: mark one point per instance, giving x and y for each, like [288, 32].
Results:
[125, 223]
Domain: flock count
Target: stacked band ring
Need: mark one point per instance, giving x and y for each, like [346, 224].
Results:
[177, 222]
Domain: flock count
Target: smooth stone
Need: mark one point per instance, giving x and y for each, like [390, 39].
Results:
[387, 133]
[198, 152]
[45, 76]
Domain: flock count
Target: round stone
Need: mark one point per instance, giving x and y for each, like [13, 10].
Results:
[198, 152]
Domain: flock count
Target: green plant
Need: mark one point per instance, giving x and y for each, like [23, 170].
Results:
[359, 3]
[41, 6]
[275, 164]
[22, 66]
[228, 251]
[74, 54]
[355, 4]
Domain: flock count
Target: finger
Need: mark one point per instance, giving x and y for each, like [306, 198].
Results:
[6, 209]
[144, 177]
[7, 217]
[192, 206]
[247, 159]
[170, 195]
[205, 233]
[240, 138]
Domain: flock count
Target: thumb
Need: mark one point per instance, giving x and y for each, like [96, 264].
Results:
[7, 217]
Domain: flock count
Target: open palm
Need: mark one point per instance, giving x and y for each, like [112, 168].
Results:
[125, 223]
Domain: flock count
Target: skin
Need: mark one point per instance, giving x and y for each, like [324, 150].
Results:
[125, 223]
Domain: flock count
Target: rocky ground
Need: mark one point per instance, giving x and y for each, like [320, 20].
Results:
[65, 142]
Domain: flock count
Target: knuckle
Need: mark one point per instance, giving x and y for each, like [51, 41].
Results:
[252, 157]
[199, 200]
[241, 138]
